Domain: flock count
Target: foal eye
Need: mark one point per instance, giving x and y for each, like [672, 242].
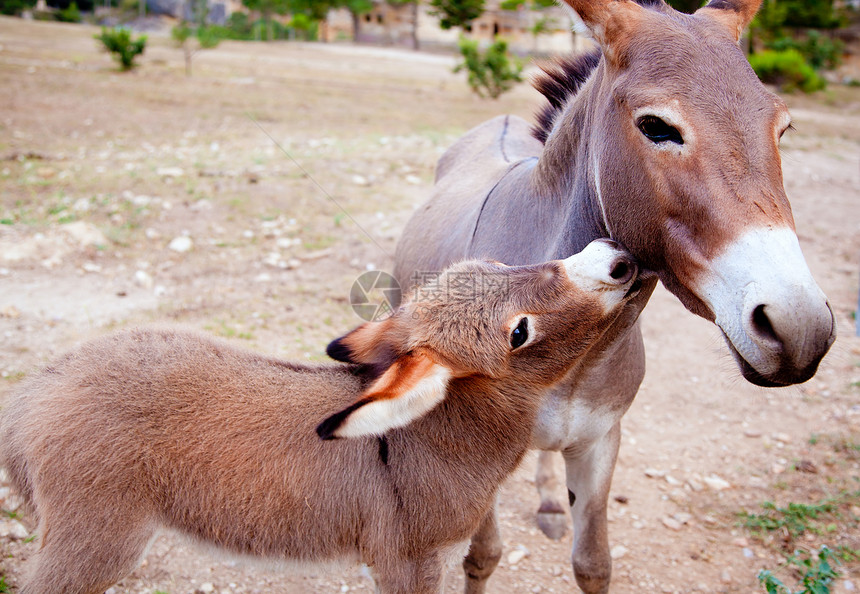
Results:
[657, 131]
[520, 334]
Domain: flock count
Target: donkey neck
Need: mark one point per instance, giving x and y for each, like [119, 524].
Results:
[479, 441]
[565, 170]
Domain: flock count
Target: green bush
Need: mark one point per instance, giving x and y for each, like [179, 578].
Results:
[820, 51]
[71, 14]
[787, 69]
[120, 43]
[15, 7]
[492, 72]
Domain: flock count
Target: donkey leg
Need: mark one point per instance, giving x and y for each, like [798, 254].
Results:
[589, 477]
[485, 552]
[88, 559]
[410, 576]
[551, 518]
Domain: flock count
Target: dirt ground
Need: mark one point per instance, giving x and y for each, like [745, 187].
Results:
[150, 196]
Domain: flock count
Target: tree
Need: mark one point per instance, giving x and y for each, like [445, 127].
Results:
[268, 8]
[457, 13]
[120, 43]
[357, 8]
[192, 40]
[414, 5]
[491, 72]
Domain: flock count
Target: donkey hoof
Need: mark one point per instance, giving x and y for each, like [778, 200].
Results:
[552, 524]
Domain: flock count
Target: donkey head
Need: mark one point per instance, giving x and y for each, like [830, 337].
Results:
[686, 169]
[525, 326]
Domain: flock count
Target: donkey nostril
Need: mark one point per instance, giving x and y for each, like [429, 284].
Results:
[761, 323]
[621, 270]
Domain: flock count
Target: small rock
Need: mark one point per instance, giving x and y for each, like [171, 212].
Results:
[206, 588]
[726, 577]
[181, 244]
[10, 311]
[360, 180]
[683, 517]
[782, 437]
[672, 480]
[517, 555]
[86, 234]
[556, 570]
[622, 499]
[618, 551]
[748, 553]
[170, 172]
[413, 179]
[143, 279]
[752, 433]
[806, 466]
[91, 267]
[716, 483]
[13, 529]
[777, 468]
[740, 542]
[654, 473]
[671, 523]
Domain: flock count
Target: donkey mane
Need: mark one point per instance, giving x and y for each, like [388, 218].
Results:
[560, 80]
[562, 77]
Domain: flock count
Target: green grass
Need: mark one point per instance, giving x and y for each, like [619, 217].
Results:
[817, 570]
[797, 518]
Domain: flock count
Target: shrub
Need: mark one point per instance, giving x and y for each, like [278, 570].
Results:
[70, 14]
[15, 7]
[820, 51]
[120, 43]
[492, 72]
[787, 69]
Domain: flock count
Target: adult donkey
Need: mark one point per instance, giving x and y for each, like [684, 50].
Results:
[666, 142]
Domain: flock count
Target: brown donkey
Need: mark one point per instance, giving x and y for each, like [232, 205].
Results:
[155, 428]
[665, 141]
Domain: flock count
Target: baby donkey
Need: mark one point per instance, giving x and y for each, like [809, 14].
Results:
[159, 428]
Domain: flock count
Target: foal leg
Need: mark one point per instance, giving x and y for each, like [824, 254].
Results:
[589, 476]
[551, 518]
[485, 552]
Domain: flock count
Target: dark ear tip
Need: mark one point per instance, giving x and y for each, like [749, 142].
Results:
[338, 351]
[327, 428]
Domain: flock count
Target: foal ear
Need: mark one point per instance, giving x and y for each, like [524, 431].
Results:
[733, 14]
[608, 22]
[412, 386]
[366, 345]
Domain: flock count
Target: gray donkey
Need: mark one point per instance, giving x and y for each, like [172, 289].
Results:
[664, 140]
[153, 428]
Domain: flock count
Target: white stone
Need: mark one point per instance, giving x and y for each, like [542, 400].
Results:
[206, 587]
[143, 279]
[413, 179]
[517, 555]
[654, 473]
[170, 172]
[181, 244]
[618, 551]
[86, 234]
[716, 483]
[360, 180]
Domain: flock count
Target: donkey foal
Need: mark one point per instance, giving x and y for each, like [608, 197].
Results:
[155, 428]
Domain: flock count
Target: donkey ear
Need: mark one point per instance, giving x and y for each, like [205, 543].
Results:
[608, 22]
[412, 386]
[366, 345]
[735, 15]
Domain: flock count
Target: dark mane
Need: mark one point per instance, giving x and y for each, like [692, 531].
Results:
[559, 81]
[562, 77]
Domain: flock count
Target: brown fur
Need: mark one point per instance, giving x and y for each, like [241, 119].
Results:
[153, 428]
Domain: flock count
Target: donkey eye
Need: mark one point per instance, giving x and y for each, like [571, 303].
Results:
[657, 131]
[520, 334]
